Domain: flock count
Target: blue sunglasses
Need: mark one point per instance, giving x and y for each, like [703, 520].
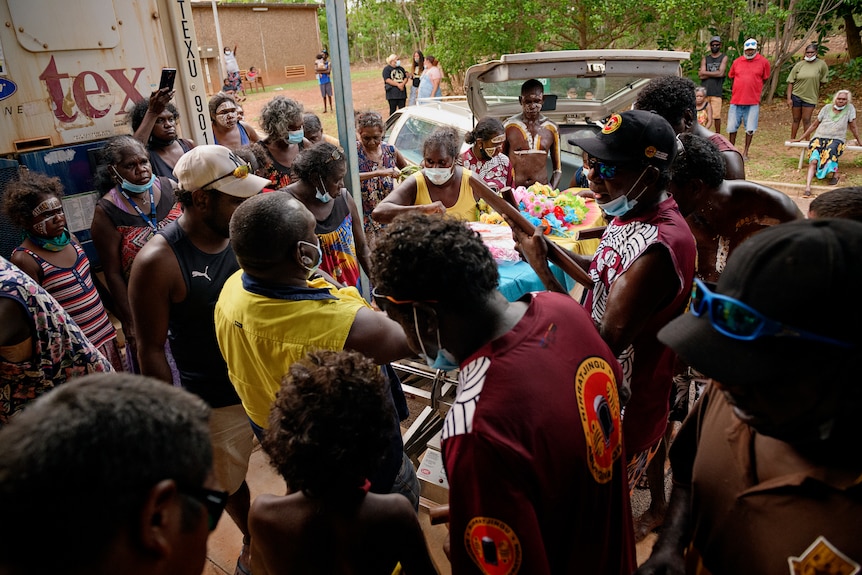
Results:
[738, 321]
[605, 171]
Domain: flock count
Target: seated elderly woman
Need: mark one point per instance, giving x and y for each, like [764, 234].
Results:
[321, 170]
[441, 186]
[828, 143]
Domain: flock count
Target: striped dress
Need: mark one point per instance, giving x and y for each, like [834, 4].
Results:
[73, 289]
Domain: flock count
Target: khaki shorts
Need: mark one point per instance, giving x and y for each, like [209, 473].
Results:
[232, 440]
[715, 103]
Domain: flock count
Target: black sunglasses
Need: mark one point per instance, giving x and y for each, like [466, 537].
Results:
[213, 501]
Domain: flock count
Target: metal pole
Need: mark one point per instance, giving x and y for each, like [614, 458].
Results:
[336, 21]
[222, 63]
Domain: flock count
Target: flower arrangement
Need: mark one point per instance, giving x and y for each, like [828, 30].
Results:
[560, 212]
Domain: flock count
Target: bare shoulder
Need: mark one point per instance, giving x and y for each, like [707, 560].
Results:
[767, 202]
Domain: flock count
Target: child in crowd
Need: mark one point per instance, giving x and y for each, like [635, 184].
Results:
[52, 256]
[704, 109]
[328, 431]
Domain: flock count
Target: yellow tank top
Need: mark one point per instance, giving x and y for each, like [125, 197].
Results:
[464, 208]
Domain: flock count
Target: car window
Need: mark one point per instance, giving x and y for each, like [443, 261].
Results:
[412, 136]
[596, 88]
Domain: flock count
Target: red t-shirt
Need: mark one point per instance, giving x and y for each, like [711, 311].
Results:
[748, 77]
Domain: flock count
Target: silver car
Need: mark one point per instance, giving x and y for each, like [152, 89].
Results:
[582, 88]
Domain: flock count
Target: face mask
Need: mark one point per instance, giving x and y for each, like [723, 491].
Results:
[136, 188]
[747, 57]
[839, 108]
[715, 49]
[811, 58]
[444, 359]
[295, 136]
[397, 63]
[312, 269]
[622, 205]
[438, 176]
[322, 196]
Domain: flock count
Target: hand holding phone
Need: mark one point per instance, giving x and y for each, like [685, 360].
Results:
[168, 76]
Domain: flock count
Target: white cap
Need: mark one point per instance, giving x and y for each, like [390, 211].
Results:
[391, 58]
[750, 44]
[216, 167]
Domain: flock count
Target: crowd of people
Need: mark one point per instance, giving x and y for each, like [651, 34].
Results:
[236, 271]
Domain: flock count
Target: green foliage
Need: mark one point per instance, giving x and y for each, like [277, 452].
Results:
[850, 71]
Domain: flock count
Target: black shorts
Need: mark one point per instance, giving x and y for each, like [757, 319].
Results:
[799, 102]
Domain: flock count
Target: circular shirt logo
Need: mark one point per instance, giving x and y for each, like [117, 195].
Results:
[613, 124]
[493, 546]
[599, 407]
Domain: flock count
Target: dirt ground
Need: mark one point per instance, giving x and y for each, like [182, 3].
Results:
[770, 160]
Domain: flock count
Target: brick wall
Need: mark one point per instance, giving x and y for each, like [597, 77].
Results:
[281, 35]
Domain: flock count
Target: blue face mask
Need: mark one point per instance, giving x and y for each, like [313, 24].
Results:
[322, 196]
[444, 360]
[136, 188]
[295, 136]
[622, 205]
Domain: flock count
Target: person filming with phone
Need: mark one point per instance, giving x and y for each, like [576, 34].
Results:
[154, 123]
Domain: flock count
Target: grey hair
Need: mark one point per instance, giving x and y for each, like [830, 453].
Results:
[278, 115]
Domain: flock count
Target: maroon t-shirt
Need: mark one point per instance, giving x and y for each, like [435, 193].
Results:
[533, 451]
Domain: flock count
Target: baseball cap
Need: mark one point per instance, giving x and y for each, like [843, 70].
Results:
[391, 58]
[216, 167]
[715, 39]
[751, 43]
[633, 136]
[774, 272]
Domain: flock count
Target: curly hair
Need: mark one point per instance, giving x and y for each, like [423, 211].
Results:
[485, 129]
[140, 108]
[369, 120]
[264, 222]
[669, 97]
[22, 196]
[701, 160]
[531, 85]
[317, 160]
[442, 138]
[423, 257]
[840, 203]
[329, 428]
[278, 115]
[217, 101]
[112, 154]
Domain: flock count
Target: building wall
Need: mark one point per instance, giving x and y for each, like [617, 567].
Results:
[267, 36]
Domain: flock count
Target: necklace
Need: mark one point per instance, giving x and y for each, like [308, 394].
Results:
[151, 221]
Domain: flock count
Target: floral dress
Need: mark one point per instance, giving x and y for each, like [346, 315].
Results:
[375, 189]
[60, 350]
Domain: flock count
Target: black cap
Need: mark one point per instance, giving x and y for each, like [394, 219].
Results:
[634, 136]
[805, 274]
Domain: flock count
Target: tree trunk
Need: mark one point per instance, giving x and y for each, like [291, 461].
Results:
[854, 39]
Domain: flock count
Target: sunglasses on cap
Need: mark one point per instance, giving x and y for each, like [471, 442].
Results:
[213, 501]
[241, 171]
[382, 299]
[605, 171]
[739, 321]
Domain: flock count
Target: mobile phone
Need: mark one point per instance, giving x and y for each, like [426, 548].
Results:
[167, 81]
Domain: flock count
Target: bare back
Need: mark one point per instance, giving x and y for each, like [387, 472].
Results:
[297, 534]
[737, 210]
